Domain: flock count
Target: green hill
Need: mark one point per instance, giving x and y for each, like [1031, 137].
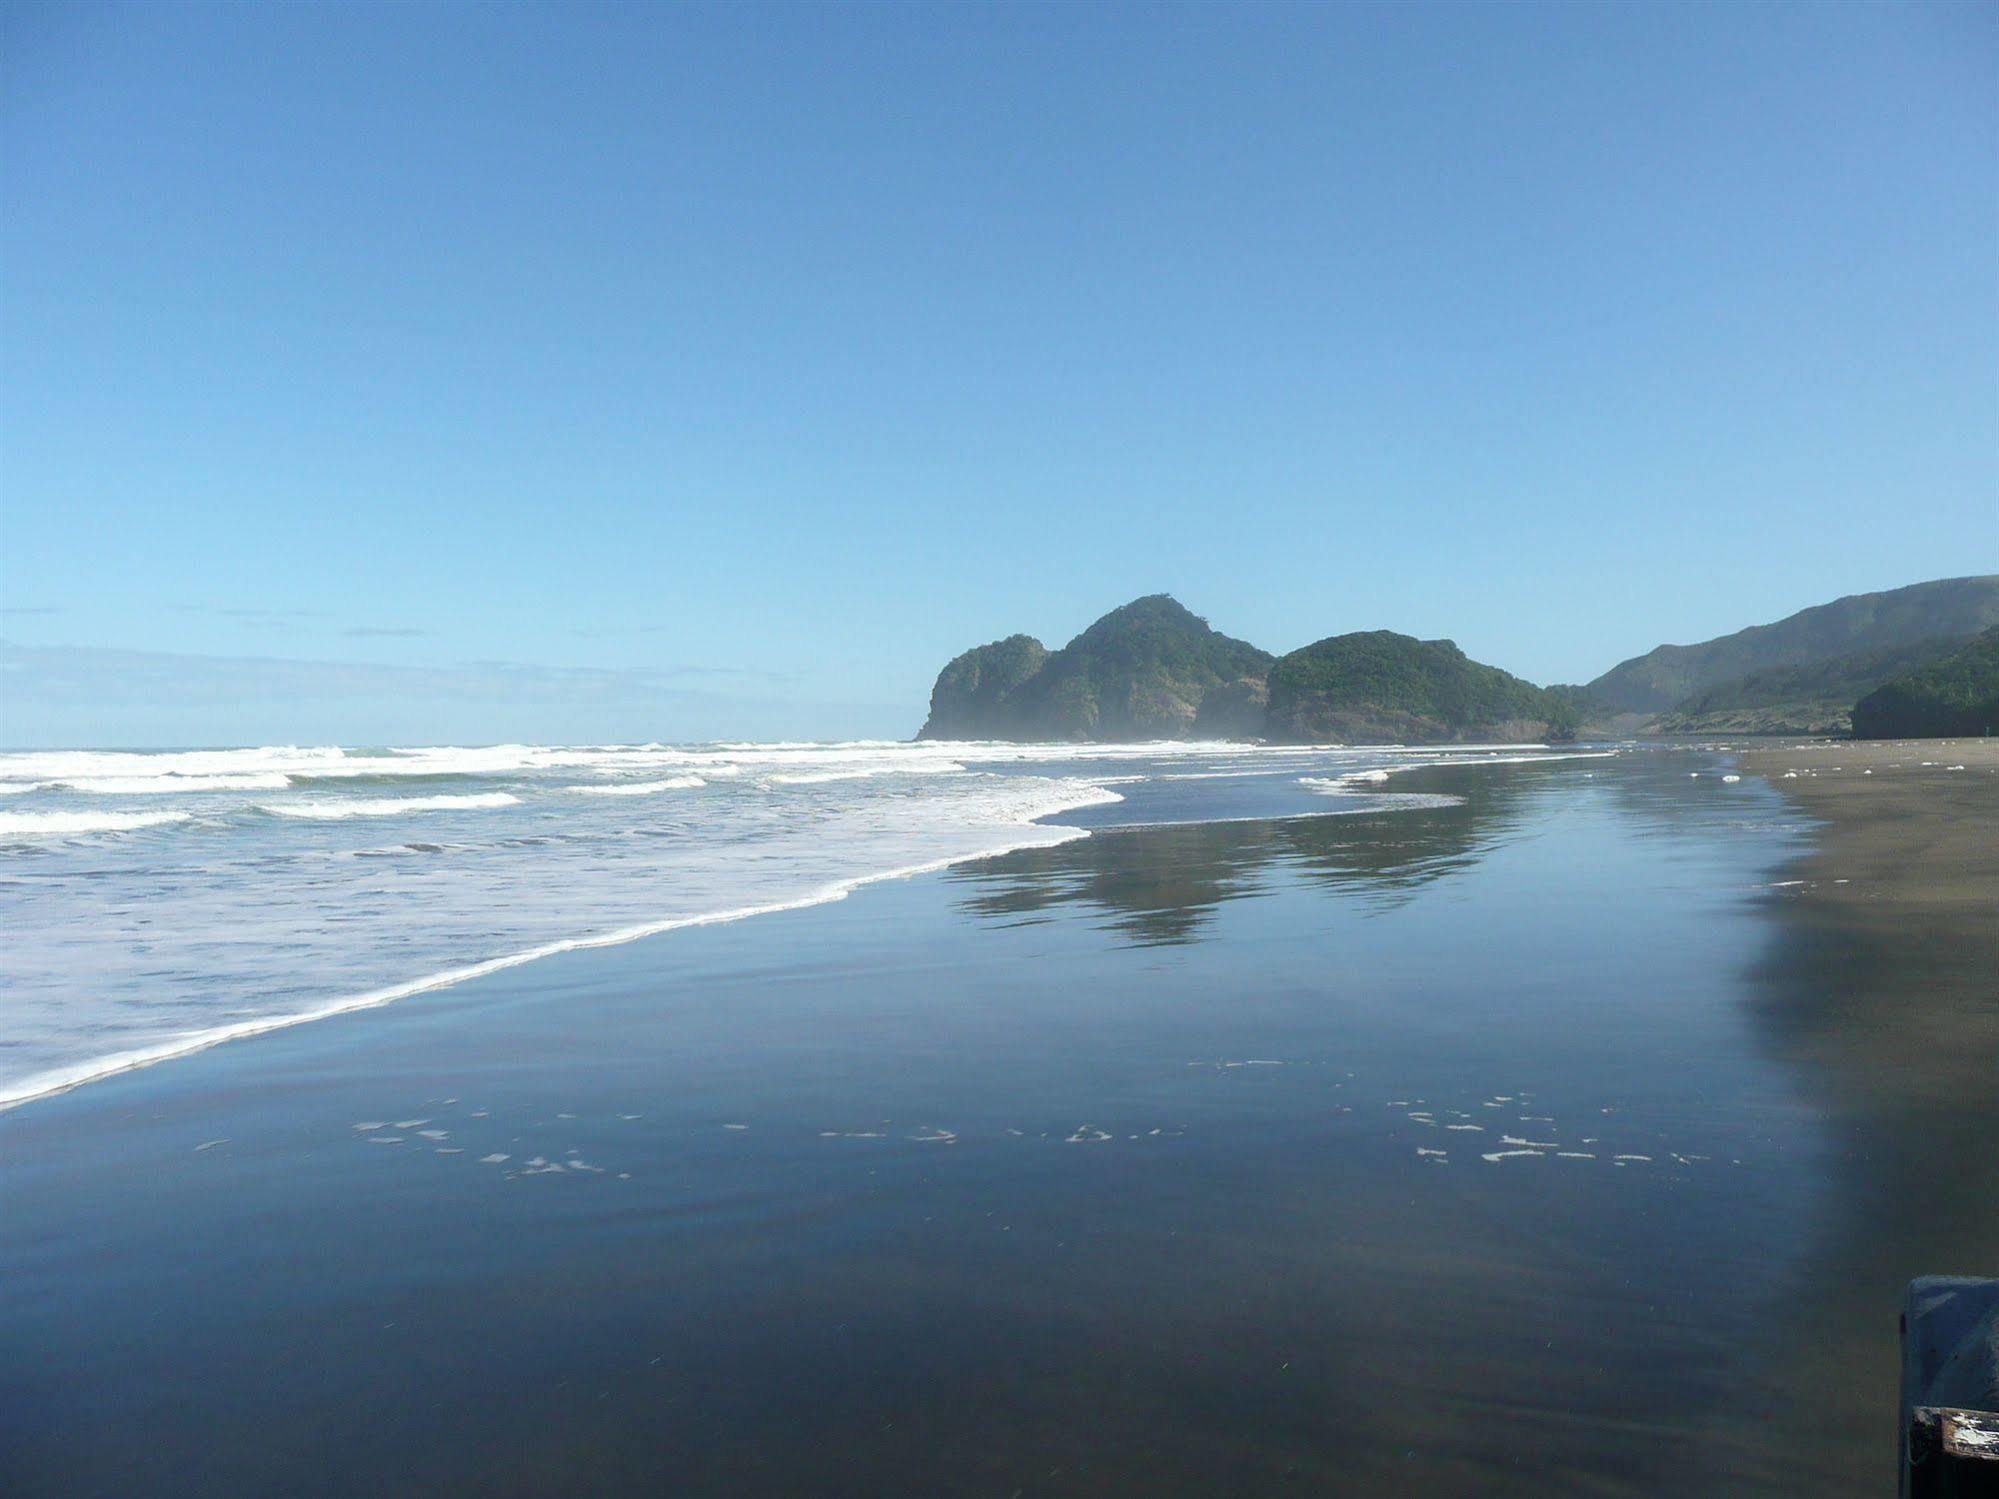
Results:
[1154, 670]
[1377, 686]
[1813, 699]
[969, 700]
[1666, 677]
[1958, 695]
[1150, 670]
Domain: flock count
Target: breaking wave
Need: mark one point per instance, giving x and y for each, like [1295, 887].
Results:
[641, 788]
[390, 806]
[67, 824]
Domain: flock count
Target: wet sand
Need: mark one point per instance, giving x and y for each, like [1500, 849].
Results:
[1883, 993]
[1911, 826]
[1900, 894]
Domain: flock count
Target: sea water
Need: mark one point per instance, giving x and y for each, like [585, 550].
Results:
[159, 902]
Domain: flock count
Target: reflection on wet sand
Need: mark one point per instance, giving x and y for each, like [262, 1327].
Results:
[1877, 993]
[1162, 885]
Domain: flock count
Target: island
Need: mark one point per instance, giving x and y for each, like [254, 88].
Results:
[1153, 669]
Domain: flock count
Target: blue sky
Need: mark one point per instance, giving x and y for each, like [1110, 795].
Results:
[784, 351]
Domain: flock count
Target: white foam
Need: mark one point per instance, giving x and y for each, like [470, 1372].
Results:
[68, 824]
[863, 773]
[391, 806]
[165, 785]
[642, 788]
[60, 1079]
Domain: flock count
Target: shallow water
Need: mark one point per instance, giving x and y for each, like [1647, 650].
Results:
[1461, 1149]
[155, 902]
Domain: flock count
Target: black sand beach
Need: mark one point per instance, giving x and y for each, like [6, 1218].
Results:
[1534, 1145]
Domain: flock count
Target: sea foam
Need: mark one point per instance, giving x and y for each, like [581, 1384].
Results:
[390, 806]
[642, 788]
[68, 824]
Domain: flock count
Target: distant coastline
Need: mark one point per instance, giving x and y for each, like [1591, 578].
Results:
[1919, 659]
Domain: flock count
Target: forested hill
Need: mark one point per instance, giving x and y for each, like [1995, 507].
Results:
[1958, 695]
[1378, 686]
[1664, 678]
[1149, 670]
[1155, 670]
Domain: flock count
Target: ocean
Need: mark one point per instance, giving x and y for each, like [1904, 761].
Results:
[159, 902]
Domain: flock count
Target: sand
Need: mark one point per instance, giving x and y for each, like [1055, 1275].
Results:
[1883, 992]
[1911, 826]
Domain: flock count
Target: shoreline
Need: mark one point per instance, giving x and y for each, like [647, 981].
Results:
[55, 1082]
[1906, 823]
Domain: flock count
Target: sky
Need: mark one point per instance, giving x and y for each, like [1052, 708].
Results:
[725, 370]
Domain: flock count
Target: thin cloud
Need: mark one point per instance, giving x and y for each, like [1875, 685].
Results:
[383, 632]
[253, 615]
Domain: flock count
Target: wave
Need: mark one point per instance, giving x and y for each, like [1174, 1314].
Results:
[390, 806]
[90, 765]
[63, 824]
[1029, 833]
[132, 772]
[329, 762]
[865, 773]
[641, 788]
[171, 784]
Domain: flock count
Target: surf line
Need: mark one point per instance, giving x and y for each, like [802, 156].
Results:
[62, 1079]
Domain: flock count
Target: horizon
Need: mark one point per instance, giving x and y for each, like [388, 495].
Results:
[725, 379]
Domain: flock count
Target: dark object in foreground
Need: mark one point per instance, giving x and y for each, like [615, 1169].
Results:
[1950, 1388]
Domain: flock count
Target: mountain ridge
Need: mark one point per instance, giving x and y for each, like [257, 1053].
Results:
[1669, 675]
[1153, 669]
